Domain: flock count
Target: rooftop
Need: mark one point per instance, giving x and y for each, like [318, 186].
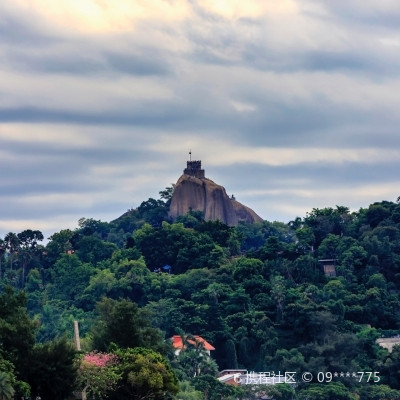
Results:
[178, 344]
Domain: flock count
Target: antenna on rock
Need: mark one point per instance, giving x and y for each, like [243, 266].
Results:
[190, 155]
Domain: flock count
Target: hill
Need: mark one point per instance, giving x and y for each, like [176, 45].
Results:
[193, 191]
[261, 294]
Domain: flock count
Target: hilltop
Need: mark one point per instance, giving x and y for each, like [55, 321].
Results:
[193, 191]
[311, 295]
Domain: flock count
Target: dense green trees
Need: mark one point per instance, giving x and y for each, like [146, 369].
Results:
[176, 246]
[327, 391]
[18, 253]
[123, 324]
[51, 369]
[17, 330]
[6, 389]
[257, 292]
[145, 375]
[39, 369]
[69, 277]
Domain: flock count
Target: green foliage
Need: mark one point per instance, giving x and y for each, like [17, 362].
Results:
[70, 277]
[191, 219]
[98, 374]
[11, 243]
[287, 360]
[247, 268]
[327, 221]
[278, 291]
[174, 245]
[212, 389]
[379, 392]
[217, 230]
[51, 370]
[6, 389]
[326, 391]
[377, 213]
[60, 243]
[20, 252]
[257, 292]
[390, 367]
[253, 236]
[188, 392]
[10, 379]
[122, 323]
[92, 249]
[153, 211]
[280, 391]
[231, 355]
[146, 374]
[17, 330]
[306, 238]
[56, 319]
[193, 360]
[166, 194]
[171, 314]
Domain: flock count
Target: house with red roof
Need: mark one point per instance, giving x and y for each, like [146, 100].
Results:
[195, 340]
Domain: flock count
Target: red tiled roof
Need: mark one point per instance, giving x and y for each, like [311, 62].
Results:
[177, 342]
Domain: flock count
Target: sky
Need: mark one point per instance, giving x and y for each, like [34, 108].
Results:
[290, 105]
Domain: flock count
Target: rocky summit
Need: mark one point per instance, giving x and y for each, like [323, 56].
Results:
[193, 191]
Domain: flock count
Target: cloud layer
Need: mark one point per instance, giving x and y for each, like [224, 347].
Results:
[290, 105]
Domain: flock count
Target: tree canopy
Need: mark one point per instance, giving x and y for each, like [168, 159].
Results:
[310, 295]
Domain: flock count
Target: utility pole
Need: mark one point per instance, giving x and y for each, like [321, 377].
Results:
[77, 340]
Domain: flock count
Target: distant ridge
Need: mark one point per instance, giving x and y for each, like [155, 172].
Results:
[193, 191]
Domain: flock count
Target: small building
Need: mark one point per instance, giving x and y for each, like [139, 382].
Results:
[231, 376]
[193, 168]
[243, 377]
[328, 266]
[194, 340]
[389, 343]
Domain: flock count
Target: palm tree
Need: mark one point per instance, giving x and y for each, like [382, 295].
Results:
[6, 389]
[193, 358]
[2, 251]
[12, 243]
[28, 241]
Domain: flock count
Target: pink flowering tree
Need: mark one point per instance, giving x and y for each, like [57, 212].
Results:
[98, 374]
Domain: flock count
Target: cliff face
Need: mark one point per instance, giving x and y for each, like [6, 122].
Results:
[244, 213]
[202, 194]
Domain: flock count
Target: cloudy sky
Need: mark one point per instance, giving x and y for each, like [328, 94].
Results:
[290, 104]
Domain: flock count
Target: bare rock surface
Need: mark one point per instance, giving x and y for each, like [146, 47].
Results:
[193, 191]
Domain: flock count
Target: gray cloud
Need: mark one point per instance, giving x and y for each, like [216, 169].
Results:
[149, 63]
[76, 58]
[133, 103]
[139, 114]
[317, 174]
[383, 14]
[20, 30]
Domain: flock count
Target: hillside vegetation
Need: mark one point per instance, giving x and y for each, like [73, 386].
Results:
[257, 292]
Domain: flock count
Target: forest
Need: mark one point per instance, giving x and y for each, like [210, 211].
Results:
[257, 292]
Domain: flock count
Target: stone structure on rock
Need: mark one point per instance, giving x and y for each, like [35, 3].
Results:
[194, 191]
[193, 168]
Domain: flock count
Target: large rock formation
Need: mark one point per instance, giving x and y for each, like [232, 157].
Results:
[194, 191]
